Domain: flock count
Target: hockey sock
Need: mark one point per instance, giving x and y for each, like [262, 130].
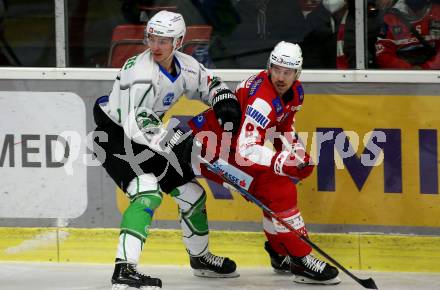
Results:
[137, 218]
[272, 236]
[191, 199]
[287, 239]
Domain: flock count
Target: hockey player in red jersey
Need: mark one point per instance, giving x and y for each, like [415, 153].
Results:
[269, 102]
[410, 36]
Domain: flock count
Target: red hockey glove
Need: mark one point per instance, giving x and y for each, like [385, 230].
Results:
[294, 163]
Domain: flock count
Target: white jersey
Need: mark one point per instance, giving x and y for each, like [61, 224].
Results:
[142, 87]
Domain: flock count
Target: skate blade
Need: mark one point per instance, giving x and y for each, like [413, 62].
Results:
[305, 280]
[212, 274]
[126, 287]
[119, 287]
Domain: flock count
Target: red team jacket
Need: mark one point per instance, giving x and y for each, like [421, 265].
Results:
[397, 47]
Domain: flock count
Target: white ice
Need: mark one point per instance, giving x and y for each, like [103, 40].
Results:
[59, 276]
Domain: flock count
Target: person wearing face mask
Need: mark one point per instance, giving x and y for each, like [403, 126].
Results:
[329, 40]
[345, 52]
[410, 36]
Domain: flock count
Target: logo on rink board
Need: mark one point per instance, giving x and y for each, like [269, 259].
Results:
[41, 155]
[32, 154]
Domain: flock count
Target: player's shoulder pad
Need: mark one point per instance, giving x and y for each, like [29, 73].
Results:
[259, 112]
[135, 68]
[188, 64]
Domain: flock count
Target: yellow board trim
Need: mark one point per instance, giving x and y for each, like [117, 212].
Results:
[355, 251]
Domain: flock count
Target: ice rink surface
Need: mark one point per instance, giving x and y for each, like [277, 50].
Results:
[58, 276]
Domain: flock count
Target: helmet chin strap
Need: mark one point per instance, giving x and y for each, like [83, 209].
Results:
[172, 52]
[171, 55]
[175, 48]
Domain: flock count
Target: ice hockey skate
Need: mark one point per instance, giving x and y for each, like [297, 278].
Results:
[280, 263]
[126, 276]
[310, 270]
[210, 265]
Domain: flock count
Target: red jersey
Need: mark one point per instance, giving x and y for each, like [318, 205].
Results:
[398, 47]
[253, 166]
[265, 116]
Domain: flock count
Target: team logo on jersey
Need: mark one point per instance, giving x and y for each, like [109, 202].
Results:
[249, 81]
[257, 116]
[379, 48]
[277, 105]
[199, 120]
[254, 86]
[168, 99]
[236, 175]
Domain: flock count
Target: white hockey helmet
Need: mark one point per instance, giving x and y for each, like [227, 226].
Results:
[168, 24]
[288, 55]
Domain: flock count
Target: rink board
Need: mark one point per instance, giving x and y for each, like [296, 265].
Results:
[398, 188]
[355, 251]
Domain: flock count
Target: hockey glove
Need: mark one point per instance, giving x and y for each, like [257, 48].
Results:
[295, 164]
[227, 110]
[181, 144]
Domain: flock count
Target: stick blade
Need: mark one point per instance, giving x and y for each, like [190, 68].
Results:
[368, 283]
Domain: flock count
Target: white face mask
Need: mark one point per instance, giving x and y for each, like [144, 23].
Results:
[333, 5]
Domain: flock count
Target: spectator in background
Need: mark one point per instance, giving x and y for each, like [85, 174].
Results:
[342, 23]
[134, 14]
[224, 18]
[410, 36]
[384, 4]
[330, 41]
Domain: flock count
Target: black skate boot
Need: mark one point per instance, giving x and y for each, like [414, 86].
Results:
[280, 263]
[213, 266]
[310, 270]
[126, 275]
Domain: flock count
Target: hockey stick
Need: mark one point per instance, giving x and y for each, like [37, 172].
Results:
[367, 283]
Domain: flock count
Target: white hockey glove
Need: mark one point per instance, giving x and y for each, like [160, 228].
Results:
[166, 140]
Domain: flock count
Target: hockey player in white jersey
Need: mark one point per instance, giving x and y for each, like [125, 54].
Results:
[144, 160]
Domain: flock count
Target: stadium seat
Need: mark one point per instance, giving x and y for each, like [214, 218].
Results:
[196, 35]
[127, 40]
